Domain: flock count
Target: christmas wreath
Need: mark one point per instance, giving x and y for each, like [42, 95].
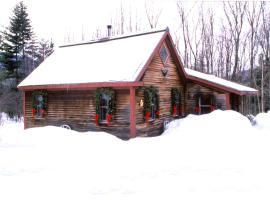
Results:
[151, 97]
[39, 102]
[111, 104]
[175, 97]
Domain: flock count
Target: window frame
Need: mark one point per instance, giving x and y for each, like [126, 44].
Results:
[106, 98]
[104, 109]
[39, 104]
[151, 104]
[167, 54]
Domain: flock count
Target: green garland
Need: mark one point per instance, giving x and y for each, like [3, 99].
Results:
[175, 94]
[35, 101]
[109, 92]
[151, 96]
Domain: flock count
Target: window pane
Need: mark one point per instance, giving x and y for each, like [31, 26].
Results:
[103, 113]
[40, 106]
[104, 106]
[153, 114]
[163, 54]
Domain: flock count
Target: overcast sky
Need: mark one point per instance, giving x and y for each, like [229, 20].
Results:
[57, 19]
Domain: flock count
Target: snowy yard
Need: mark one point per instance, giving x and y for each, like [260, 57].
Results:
[214, 156]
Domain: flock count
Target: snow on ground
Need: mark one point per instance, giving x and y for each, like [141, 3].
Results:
[214, 156]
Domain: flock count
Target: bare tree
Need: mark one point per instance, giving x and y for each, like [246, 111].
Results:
[253, 18]
[235, 15]
[264, 41]
[153, 13]
[185, 34]
[207, 32]
[225, 50]
[253, 13]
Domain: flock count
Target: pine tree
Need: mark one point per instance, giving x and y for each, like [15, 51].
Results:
[14, 42]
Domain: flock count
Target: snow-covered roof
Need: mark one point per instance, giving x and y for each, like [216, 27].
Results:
[220, 81]
[109, 60]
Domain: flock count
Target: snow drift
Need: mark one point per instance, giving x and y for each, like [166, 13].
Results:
[214, 156]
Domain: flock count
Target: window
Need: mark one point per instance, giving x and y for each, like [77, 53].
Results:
[153, 109]
[104, 106]
[176, 102]
[39, 104]
[163, 54]
[151, 103]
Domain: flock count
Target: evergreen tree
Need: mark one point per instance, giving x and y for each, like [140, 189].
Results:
[14, 41]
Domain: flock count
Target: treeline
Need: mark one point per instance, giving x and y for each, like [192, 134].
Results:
[20, 54]
[230, 40]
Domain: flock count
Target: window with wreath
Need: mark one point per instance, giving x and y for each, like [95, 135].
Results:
[105, 105]
[175, 102]
[151, 103]
[39, 104]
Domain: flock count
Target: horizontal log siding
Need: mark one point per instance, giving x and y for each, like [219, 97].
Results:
[153, 76]
[192, 90]
[77, 109]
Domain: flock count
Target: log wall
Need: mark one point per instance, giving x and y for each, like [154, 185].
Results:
[153, 76]
[77, 109]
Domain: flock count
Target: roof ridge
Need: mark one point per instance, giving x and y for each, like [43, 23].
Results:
[107, 39]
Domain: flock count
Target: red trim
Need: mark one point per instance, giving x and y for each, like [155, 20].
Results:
[132, 116]
[176, 56]
[24, 113]
[218, 87]
[82, 86]
[228, 101]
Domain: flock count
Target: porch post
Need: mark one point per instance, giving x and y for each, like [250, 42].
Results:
[24, 112]
[132, 117]
[242, 105]
[228, 101]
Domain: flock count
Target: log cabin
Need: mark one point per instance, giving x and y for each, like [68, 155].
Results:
[129, 86]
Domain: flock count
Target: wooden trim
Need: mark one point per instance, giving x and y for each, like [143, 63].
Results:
[218, 87]
[175, 55]
[24, 111]
[242, 104]
[107, 39]
[132, 113]
[228, 101]
[82, 86]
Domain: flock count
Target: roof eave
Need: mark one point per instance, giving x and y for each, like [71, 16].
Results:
[220, 87]
[81, 86]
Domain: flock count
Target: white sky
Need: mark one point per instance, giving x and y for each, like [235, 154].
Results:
[57, 19]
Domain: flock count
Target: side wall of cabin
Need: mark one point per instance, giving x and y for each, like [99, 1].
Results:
[77, 109]
[223, 100]
[153, 76]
